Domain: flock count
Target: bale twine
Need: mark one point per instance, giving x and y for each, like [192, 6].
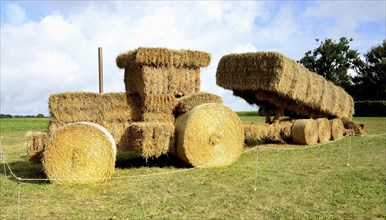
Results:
[324, 130]
[36, 144]
[210, 135]
[337, 128]
[305, 132]
[80, 153]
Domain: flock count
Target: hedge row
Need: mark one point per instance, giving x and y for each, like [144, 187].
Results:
[370, 108]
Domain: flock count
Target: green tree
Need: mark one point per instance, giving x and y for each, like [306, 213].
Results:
[332, 60]
[370, 83]
[39, 116]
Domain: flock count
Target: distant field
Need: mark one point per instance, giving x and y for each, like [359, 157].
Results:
[292, 182]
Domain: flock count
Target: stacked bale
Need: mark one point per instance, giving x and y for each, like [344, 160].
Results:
[159, 76]
[152, 138]
[270, 76]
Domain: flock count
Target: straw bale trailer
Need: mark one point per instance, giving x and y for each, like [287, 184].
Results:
[161, 111]
[275, 82]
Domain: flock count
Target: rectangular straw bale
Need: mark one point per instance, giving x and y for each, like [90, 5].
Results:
[119, 131]
[163, 57]
[162, 80]
[158, 103]
[121, 107]
[36, 144]
[94, 107]
[188, 102]
[151, 139]
[287, 80]
[76, 106]
[157, 117]
[255, 133]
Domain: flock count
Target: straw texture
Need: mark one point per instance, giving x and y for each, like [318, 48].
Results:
[80, 153]
[188, 102]
[337, 128]
[114, 111]
[162, 80]
[256, 133]
[352, 127]
[36, 144]
[151, 139]
[305, 132]
[163, 57]
[324, 130]
[210, 135]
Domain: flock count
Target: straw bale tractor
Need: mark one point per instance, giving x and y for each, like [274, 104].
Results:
[276, 83]
[162, 111]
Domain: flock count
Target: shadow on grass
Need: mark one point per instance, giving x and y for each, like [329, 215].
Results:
[24, 170]
[134, 160]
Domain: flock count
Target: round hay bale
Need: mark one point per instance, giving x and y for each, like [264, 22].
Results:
[81, 152]
[209, 135]
[337, 128]
[324, 130]
[305, 131]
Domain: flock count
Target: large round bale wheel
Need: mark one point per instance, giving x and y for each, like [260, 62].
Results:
[209, 135]
[305, 132]
[81, 152]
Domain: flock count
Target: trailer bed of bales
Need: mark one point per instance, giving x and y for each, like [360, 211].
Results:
[271, 77]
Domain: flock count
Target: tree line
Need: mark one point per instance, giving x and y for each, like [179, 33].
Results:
[333, 60]
[22, 116]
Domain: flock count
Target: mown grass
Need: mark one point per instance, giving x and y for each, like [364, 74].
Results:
[291, 183]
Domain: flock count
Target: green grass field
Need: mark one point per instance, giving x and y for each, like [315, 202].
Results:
[292, 182]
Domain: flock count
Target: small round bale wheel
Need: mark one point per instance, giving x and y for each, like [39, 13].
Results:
[305, 131]
[324, 130]
[337, 128]
[209, 135]
[81, 152]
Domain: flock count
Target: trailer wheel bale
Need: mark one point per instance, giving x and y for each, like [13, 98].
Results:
[81, 152]
[209, 135]
[337, 128]
[324, 130]
[305, 132]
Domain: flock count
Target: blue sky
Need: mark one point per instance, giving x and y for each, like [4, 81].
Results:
[51, 46]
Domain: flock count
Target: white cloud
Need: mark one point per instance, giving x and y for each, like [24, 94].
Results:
[15, 14]
[57, 51]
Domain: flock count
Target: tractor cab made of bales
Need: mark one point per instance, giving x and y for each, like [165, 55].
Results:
[162, 111]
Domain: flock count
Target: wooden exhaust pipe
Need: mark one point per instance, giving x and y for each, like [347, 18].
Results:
[100, 62]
